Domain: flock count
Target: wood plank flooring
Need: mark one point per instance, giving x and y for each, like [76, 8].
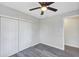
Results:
[42, 50]
[72, 50]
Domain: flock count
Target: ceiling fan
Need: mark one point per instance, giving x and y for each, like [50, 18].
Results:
[44, 7]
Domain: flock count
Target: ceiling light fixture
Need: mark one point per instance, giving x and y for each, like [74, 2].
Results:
[44, 8]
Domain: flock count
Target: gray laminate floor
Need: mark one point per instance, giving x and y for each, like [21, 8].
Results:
[72, 50]
[42, 50]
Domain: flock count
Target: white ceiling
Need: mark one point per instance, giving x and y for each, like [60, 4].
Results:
[25, 6]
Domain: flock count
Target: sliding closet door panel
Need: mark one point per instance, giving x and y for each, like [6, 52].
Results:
[0, 35]
[25, 35]
[9, 36]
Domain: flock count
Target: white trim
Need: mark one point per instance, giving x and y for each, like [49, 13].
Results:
[14, 18]
[71, 16]
[72, 45]
[53, 46]
[0, 35]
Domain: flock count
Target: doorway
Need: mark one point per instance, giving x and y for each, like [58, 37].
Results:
[71, 35]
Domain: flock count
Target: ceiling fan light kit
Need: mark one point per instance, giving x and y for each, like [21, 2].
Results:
[44, 7]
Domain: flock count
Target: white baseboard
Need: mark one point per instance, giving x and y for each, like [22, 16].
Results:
[72, 45]
[54, 46]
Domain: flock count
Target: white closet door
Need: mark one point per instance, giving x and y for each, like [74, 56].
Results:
[9, 37]
[0, 35]
[25, 35]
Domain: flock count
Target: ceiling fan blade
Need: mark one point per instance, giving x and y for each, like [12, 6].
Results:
[45, 3]
[42, 3]
[52, 9]
[42, 12]
[34, 8]
[49, 3]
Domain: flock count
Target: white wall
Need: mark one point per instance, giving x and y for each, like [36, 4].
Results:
[52, 32]
[52, 29]
[71, 32]
[35, 33]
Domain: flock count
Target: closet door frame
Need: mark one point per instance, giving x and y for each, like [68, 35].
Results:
[0, 35]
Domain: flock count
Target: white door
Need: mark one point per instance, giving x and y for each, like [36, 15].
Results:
[25, 35]
[9, 37]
